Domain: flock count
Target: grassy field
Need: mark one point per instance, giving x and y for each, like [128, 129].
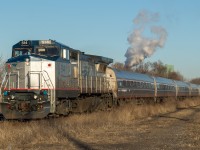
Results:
[75, 131]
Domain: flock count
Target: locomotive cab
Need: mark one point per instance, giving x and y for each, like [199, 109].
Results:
[28, 86]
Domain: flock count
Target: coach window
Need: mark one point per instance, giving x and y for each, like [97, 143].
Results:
[120, 83]
[158, 86]
[153, 86]
[146, 85]
[163, 87]
[182, 89]
[134, 84]
[138, 84]
[149, 85]
[141, 85]
[124, 83]
[127, 83]
[131, 83]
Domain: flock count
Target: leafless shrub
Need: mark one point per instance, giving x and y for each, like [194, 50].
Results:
[188, 103]
[2, 68]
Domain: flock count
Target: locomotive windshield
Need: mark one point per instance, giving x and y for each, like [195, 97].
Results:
[21, 51]
[43, 51]
[43, 48]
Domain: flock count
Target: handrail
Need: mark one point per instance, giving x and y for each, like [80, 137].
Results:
[52, 91]
[50, 86]
[3, 83]
[49, 78]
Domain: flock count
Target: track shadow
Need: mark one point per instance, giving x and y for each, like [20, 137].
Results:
[77, 143]
[182, 119]
[170, 115]
[180, 109]
[188, 118]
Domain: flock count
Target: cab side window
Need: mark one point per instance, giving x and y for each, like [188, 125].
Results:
[73, 56]
[65, 54]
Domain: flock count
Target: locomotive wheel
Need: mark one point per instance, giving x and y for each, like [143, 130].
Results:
[63, 108]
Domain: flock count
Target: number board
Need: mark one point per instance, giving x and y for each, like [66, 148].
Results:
[25, 43]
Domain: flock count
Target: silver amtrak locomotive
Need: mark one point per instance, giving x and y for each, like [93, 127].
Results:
[44, 77]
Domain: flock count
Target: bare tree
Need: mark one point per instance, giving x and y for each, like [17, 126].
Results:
[120, 66]
[143, 68]
[157, 68]
[2, 68]
[175, 76]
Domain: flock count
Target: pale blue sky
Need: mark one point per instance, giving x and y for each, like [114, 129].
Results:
[101, 27]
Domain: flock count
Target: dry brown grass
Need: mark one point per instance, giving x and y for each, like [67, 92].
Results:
[188, 103]
[63, 132]
[19, 134]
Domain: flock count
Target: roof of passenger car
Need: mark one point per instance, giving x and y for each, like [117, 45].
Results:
[164, 81]
[182, 84]
[126, 75]
[194, 85]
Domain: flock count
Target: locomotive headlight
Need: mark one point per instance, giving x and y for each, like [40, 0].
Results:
[35, 96]
[12, 96]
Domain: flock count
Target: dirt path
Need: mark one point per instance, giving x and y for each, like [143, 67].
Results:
[177, 130]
